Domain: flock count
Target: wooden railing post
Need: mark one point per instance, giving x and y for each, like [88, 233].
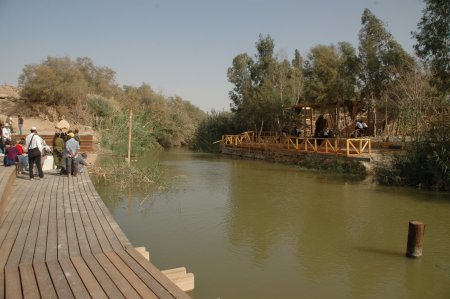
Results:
[348, 147]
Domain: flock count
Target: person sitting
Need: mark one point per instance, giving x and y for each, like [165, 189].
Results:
[11, 153]
[359, 127]
[22, 157]
[365, 128]
[298, 133]
[80, 162]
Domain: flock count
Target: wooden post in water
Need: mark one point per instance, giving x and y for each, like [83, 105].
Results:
[129, 137]
[416, 230]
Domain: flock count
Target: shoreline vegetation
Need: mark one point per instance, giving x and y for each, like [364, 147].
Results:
[398, 94]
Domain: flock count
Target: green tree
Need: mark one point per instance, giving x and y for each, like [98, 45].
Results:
[53, 82]
[433, 41]
[101, 80]
[240, 76]
[321, 75]
[263, 87]
[297, 77]
[348, 69]
[380, 55]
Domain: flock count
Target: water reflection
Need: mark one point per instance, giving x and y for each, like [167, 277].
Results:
[250, 229]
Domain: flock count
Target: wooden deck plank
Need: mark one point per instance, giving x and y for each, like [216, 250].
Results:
[63, 246]
[104, 222]
[51, 250]
[144, 275]
[62, 287]
[30, 287]
[103, 241]
[132, 278]
[44, 281]
[74, 280]
[80, 227]
[124, 242]
[30, 243]
[87, 224]
[17, 232]
[5, 249]
[44, 220]
[69, 210]
[122, 284]
[7, 178]
[22, 230]
[155, 273]
[89, 280]
[102, 277]
[13, 287]
[16, 202]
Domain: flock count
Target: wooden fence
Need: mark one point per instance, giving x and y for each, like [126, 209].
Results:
[338, 146]
[86, 141]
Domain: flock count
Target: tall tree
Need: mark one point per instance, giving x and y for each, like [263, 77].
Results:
[348, 69]
[240, 76]
[433, 41]
[380, 55]
[297, 77]
[321, 75]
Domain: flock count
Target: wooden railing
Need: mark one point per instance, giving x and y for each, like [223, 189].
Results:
[358, 146]
[343, 146]
[86, 141]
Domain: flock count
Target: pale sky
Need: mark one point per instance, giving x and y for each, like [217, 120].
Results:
[183, 47]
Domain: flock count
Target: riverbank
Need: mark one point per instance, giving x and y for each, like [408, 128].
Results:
[332, 163]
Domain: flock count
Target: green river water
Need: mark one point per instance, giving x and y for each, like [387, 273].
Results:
[252, 229]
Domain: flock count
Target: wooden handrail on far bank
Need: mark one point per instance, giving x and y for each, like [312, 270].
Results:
[349, 147]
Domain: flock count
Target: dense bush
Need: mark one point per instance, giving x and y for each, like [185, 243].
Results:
[100, 106]
[424, 163]
[211, 130]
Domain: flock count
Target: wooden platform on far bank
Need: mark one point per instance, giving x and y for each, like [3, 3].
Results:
[58, 240]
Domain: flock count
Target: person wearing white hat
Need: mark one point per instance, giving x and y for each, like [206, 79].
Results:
[35, 145]
[6, 132]
[9, 121]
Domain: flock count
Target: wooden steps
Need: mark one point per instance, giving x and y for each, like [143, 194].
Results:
[185, 281]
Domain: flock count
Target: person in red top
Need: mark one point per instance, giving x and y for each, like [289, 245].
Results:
[22, 157]
[19, 148]
[11, 154]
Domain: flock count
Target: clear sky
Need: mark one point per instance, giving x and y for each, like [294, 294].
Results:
[183, 47]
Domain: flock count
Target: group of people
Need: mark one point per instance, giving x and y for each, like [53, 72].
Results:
[7, 128]
[32, 151]
[66, 153]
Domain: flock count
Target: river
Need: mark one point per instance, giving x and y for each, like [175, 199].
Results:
[252, 229]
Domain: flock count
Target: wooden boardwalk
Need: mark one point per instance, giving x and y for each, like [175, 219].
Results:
[58, 240]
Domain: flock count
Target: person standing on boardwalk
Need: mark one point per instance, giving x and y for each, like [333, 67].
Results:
[77, 137]
[58, 148]
[9, 121]
[20, 123]
[72, 149]
[6, 132]
[35, 145]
